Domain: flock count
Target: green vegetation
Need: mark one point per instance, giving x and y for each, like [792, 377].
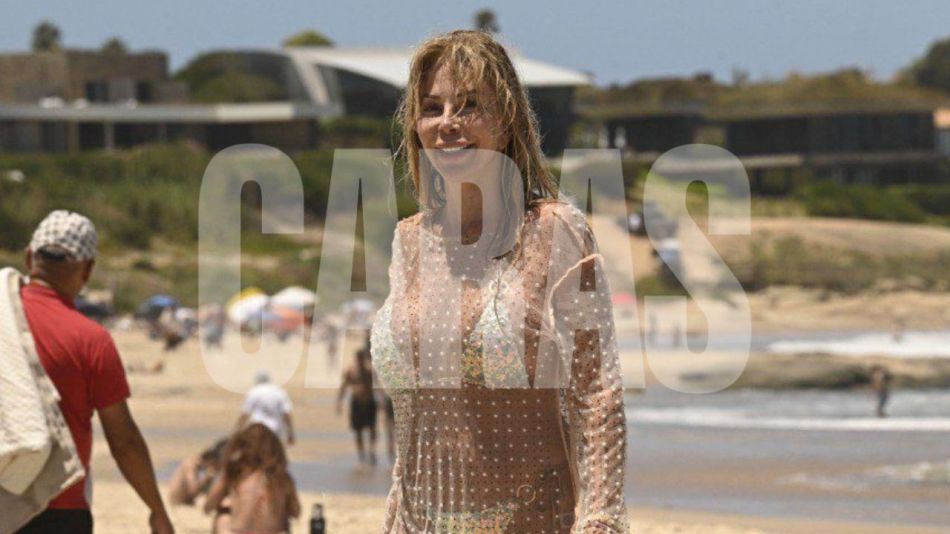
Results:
[144, 202]
[659, 286]
[114, 46]
[133, 195]
[46, 37]
[836, 91]
[917, 203]
[145, 206]
[860, 201]
[355, 132]
[307, 38]
[485, 20]
[933, 69]
[789, 261]
[225, 77]
[648, 96]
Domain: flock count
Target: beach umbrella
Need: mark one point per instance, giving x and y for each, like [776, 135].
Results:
[162, 301]
[243, 294]
[155, 305]
[282, 320]
[294, 297]
[246, 305]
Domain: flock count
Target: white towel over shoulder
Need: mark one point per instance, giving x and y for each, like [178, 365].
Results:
[25, 440]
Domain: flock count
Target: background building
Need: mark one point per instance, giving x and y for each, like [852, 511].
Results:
[80, 100]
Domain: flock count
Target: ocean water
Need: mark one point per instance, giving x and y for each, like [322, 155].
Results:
[920, 474]
[911, 344]
[817, 454]
[909, 411]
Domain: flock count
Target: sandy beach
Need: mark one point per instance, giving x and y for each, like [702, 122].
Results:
[118, 512]
[181, 410]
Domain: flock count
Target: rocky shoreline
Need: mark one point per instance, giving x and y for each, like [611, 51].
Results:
[824, 371]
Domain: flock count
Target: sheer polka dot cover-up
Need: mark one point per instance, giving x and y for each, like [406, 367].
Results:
[508, 421]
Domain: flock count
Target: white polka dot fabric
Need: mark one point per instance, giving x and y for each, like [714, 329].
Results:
[501, 427]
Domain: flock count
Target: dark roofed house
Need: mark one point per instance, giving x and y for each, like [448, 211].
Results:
[653, 131]
[850, 143]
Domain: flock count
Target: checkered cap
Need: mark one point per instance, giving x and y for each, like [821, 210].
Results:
[69, 231]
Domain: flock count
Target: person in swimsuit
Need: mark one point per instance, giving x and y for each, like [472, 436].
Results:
[881, 386]
[496, 341]
[255, 493]
[358, 381]
[195, 474]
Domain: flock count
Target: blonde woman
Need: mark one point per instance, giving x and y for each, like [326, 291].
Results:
[513, 420]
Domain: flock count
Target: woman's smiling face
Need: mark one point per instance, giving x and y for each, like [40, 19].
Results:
[454, 127]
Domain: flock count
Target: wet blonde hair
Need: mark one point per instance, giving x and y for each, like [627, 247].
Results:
[475, 60]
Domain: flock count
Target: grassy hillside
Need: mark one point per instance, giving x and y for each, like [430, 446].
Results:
[145, 206]
[144, 202]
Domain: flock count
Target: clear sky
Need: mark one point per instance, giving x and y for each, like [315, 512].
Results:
[615, 40]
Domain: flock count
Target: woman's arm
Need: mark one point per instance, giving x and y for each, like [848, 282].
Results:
[594, 399]
[216, 494]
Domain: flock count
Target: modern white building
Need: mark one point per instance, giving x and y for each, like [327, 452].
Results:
[317, 83]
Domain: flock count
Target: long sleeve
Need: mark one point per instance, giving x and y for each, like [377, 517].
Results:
[391, 352]
[392, 500]
[593, 400]
[394, 371]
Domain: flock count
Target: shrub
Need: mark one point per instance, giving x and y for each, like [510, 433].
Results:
[790, 261]
[356, 132]
[828, 199]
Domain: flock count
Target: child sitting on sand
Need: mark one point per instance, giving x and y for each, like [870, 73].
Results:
[255, 492]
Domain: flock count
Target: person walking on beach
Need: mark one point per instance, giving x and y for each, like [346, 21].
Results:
[81, 359]
[212, 323]
[358, 381]
[269, 405]
[881, 385]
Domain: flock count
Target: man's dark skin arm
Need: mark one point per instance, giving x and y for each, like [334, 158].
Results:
[131, 454]
[341, 394]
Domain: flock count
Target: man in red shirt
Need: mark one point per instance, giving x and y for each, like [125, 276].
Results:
[81, 359]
